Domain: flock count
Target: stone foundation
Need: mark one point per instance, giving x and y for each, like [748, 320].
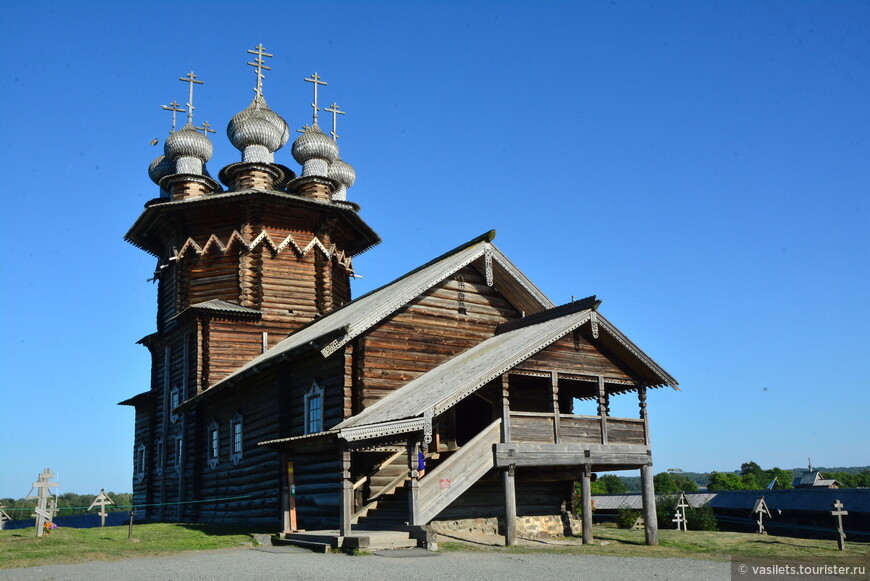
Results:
[528, 527]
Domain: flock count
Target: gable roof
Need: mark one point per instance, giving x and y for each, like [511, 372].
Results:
[336, 329]
[442, 387]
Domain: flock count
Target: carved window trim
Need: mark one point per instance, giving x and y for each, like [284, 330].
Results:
[214, 440]
[160, 456]
[140, 462]
[237, 438]
[313, 406]
[179, 451]
[174, 401]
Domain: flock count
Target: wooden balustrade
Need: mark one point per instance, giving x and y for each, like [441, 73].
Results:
[538, 428]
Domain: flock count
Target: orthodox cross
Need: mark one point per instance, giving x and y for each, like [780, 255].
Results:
[761, 509]
[681, 506]
[315, 80]
[678, 518]
[303, 130]
[205, 128]
[42, 485]
[191, 79]
[841, 534]
[335, 112]
[175, 109]
[3, 516]
[260, 65]
[102, 500]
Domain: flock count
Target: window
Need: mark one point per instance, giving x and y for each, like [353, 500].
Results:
[179, 452]
[236, 435]
[140, 463]
[159, 456]
[213, 444]
[173, 402]
[314, 409]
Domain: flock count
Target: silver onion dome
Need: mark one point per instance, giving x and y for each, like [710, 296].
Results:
[258, 132]
[189, 149]
[343, 173]
[160, 168]
[314, 151]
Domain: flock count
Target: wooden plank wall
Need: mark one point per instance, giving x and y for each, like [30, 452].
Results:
[575, 354]
[536, 496]
[426, 333]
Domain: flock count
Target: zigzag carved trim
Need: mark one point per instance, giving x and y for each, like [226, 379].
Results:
[214, 246]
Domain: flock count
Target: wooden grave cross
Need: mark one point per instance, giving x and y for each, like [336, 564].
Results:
[102, 500]
[42, 485]
[681, 506]
[761, 509]
[3, 516]
[678, 518]
[841, 534]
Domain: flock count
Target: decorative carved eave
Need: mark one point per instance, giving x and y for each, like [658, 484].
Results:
[238, 242]
[146, 231]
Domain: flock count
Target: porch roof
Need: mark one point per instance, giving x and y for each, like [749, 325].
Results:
[441, 388]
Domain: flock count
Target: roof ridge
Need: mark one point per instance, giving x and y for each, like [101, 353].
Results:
[589, 302]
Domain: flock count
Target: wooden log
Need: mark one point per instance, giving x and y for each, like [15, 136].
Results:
[651, 527]
[510, 507]
[586, 502]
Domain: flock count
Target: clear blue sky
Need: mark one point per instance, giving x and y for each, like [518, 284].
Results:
[703, 167]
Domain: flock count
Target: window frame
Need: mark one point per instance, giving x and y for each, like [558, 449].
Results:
[237, 446]
[213, 444]
[313, 394]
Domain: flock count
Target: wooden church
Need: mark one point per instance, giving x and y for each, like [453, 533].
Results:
[443, 398]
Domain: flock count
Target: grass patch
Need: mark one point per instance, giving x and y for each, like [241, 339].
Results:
[717, 546]
[21, 548]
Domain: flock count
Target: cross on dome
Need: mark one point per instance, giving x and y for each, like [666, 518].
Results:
[260, 65]
[205, 128]
[335, 112]
[315, 80]
[190, 78]
[173, 106]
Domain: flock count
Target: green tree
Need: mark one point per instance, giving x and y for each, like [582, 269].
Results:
[665, 484]
[612, 484]
[783, 478]
[724, 481]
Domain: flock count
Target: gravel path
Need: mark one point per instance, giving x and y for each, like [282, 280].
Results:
[295, 564]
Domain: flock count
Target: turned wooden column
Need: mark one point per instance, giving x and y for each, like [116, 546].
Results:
[346, 502]
[510, 491]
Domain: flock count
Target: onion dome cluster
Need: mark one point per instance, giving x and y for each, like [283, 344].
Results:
[258, 132]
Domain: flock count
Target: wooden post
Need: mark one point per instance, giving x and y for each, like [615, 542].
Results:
[649, 505]
[510, 506]
[510, 491]
[130, 526]
[586, 502]
[554, 383]
[288, 497]
[346, 503]
[414, 486]
[602, 408]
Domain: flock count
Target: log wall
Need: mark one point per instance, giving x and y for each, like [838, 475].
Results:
[443, 322]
